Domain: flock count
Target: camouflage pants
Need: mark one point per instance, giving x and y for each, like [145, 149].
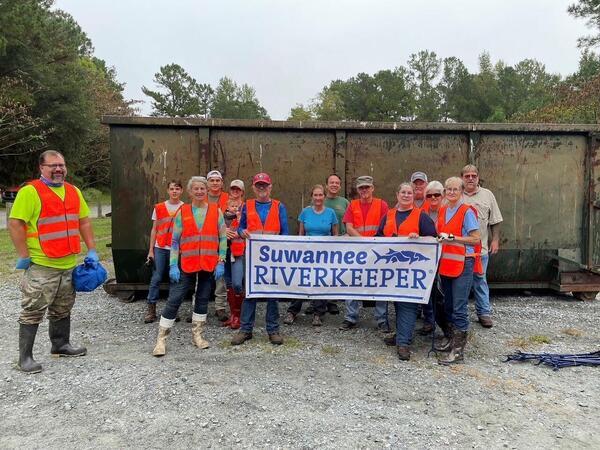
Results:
[45, 288]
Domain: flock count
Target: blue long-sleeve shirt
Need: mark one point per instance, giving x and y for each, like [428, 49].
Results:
[262, 210]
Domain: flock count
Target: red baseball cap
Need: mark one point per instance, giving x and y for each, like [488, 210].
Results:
[261, 178]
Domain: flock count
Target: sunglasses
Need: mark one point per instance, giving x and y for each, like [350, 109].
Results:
[433, 195]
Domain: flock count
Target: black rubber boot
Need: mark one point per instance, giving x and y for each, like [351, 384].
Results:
[26, 339]
[60, 331]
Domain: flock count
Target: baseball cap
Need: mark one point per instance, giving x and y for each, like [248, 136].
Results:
[418, 176]
[261, 178]
[237, 184]
[214, 174]
[364, 180]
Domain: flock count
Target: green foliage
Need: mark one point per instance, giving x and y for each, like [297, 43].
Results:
[232, 101]
[590, 10]
[300, 113]
[425, 68]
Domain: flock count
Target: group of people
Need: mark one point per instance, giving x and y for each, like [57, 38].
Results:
[204, 244]
[201, 246]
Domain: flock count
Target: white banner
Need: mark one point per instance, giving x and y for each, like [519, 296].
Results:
[341, 268]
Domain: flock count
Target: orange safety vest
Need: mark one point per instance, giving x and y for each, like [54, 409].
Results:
[272, 225]
[199, 249]
[366, 226]
[410, 224]
[453, 257]
[58, 223]
[222, 201]
[164, 224]
[238, 244]
[425, 206]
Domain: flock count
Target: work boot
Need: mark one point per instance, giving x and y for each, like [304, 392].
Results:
[486, 321]
[317, 322]
[240, 337]
[332, 308]
[289, 318]
[444, 344]
[390, 339]
[26, 339]
[60, 332]
[275, 338]
[347, 325]
[230, 300]
[426, 329]
[221, 314]
[150, 313]
[236, 311]
[164, 329]
[403, 352]
[198, 324]
[457, 354]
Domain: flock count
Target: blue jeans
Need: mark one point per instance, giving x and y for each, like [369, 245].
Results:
[320, 307]
[353, 307]
[406, 316]
[234, 273]
[481, 291]
[161, 269]
[456, 296]
[249, 314]
[178, 290]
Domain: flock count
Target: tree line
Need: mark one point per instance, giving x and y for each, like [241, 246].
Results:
[53, 92]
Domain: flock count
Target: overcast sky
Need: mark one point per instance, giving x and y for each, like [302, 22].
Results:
[289, 49]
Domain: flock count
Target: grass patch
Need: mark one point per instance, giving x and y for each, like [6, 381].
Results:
[330, 350]
[530, 341]
[572, 332]
[102, 233]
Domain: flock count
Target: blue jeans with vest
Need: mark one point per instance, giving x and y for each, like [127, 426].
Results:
[161, 269]
[456, 296]
[406, 317]
[353, 307]
[186, 282]
[248, 315]
[481, 290]
[234, 273]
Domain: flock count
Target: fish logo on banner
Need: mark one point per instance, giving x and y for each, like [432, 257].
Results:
[400, 256]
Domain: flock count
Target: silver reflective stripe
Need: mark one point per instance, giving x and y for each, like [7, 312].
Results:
[453, 256]
[203, 251]
[164, 220]
[197, 238]
[57, 219]
[367, 228]
[190, 252]
[453, 244]
[58, 235]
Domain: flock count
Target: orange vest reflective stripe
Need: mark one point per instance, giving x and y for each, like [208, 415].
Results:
[272, 225]
[199, 249]
[452, 261]
[164, 224]
[238, 244]
[58, 224]
[366, 226]
[410, 224]
[222, 201]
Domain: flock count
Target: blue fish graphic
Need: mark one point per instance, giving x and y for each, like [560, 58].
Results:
[400, 256]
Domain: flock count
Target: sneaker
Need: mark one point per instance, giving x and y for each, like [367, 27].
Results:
[240, 337]
[383, 327]
[332, 308]
[390, 339]
[289, 318]
[317, 322]
[486, 321]
[275, 339]
[403, 353]
[347, 325]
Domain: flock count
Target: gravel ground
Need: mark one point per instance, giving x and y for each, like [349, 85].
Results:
[322, 389]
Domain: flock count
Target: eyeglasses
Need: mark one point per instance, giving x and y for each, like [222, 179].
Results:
[55, 166]
[436, 195]
[470, 175]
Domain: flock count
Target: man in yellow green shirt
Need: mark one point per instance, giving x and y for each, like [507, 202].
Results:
[45, 224]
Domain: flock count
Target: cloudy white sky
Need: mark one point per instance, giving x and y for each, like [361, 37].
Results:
[289, 49]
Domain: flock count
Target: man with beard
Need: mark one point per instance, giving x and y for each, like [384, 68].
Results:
[48, 217]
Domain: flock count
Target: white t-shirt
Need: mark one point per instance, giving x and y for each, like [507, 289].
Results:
[172, 208]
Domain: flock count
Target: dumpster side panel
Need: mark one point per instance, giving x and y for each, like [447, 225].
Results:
[539, 183]
[295, 160]
[143, 162]
[390, 158]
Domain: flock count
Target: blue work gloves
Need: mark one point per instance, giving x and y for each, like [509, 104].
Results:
[92, 256]
[220, 271]
[23, 263]
[174, 274]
